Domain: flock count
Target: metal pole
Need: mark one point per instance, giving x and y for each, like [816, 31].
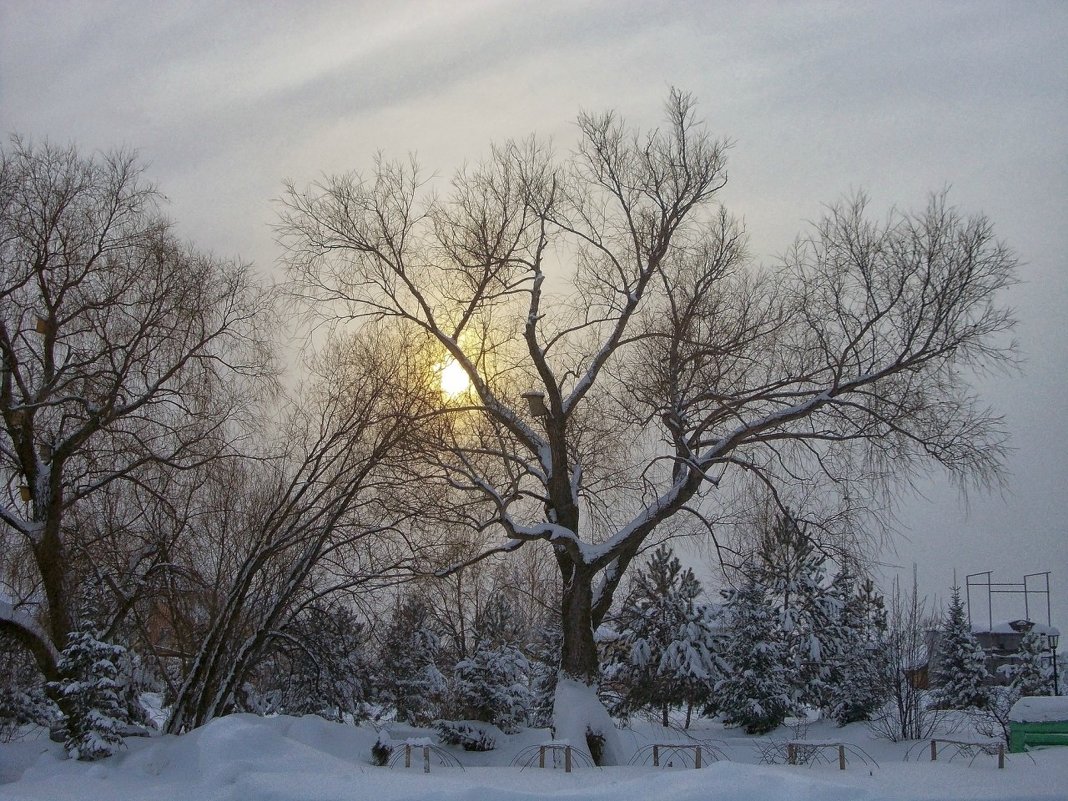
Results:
[1056, 686]
[1049, 609]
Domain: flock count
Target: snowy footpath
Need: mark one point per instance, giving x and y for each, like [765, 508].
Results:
[245, 758]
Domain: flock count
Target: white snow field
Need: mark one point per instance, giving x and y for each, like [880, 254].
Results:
[247, 758]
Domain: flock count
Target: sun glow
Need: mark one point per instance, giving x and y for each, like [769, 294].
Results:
[454, 380]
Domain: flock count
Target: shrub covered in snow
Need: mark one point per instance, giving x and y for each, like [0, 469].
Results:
[472, 735]
[382, 750]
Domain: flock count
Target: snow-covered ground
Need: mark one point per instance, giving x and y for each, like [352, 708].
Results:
[246, 758]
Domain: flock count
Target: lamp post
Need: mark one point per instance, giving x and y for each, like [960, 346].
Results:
[1053, 639]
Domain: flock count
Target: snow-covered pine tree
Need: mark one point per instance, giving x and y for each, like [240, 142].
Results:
[666, 656]
[793, 573]
[92, 692]
[1028, 673]
[756, 690]
[409, 679]
[320, 666]
[544, 661]
[816, 636]
[493, 684]
[960, 674]
[782, 551]
[23, 699]
[856, 689]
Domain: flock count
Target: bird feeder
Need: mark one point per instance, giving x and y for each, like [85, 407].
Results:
[24, 491]
[42, 325]
[536, 402]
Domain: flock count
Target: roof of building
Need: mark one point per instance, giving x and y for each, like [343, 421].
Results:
[1013, 627]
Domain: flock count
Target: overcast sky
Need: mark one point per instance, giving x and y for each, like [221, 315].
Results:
[224, 100]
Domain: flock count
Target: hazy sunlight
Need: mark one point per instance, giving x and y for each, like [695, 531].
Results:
[454, 380]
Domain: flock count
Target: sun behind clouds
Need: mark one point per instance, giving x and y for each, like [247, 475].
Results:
[453, 378]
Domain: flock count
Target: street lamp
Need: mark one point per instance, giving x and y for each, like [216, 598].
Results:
[1054, 638]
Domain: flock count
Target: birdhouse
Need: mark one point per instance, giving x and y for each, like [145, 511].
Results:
[536, 402]
[24, 491]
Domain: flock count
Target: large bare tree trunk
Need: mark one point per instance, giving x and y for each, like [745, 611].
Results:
[578, 714]
[578, 658]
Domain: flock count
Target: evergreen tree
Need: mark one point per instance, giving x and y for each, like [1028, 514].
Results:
[92, 691]
[960, 674]
[665, 655]
[784, 552]
[544, 671]
[1028, 673]
[815, 635]
[756, 691]
[855, 685]
[410, 680]
[23, 699]
[493, 684]
[323, 668]
[794, 576]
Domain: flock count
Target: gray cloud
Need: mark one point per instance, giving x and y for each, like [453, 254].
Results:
[225, 100]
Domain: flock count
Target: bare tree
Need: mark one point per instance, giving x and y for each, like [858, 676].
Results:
[320, 517]
[613, 290]
[121, 349]
[904, 655]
